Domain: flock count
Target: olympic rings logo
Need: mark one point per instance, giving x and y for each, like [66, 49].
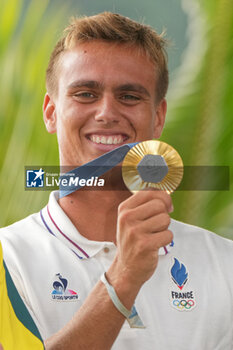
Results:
[183, 304]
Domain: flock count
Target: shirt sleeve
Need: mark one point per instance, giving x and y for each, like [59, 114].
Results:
[17, 328]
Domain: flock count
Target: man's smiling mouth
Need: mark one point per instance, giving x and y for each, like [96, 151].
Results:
[108, 139]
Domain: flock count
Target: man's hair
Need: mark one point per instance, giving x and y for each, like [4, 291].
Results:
[112, 28]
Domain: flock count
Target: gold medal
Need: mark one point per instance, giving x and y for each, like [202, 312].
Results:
[152, 164]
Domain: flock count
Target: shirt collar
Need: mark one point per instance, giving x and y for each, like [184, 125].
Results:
[58, 224]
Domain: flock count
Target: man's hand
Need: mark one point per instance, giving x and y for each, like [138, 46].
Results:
[142, 229]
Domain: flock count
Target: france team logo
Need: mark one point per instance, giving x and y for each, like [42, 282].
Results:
[183, 298]
[35, 178]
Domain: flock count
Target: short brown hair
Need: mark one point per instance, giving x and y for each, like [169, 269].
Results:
[111, 27]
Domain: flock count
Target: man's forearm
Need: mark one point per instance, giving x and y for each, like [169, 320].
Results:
[95, 326]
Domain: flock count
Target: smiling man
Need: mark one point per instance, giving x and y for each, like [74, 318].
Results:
[92, 267]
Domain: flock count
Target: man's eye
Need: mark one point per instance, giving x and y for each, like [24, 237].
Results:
[130, 97]
[85, 95]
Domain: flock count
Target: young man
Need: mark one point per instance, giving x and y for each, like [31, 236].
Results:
[106, 85]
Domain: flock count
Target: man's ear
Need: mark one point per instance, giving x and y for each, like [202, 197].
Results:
[49, 114]
[160, 118]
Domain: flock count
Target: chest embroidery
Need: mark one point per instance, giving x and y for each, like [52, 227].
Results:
[60, 291]
[182, 296]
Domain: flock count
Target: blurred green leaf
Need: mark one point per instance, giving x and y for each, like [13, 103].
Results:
[23, 138]
[201, 120]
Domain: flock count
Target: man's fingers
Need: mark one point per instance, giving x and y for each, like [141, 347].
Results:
[150, 209]
[157, 223]
[143, 197]
[160, 239]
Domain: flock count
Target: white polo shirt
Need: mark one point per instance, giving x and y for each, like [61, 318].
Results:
[187, 303]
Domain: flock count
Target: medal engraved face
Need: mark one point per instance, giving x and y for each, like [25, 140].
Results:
[152, 168]
[152, 164]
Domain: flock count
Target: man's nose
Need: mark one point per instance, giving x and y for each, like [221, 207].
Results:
[107, 111]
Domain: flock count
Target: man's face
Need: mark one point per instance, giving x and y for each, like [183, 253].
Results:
[106, 97]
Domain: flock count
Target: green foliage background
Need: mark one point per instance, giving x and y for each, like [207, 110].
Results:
[199, 123]
[200, 120]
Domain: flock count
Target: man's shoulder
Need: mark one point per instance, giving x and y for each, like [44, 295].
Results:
[200, 237]
[17, 241]
[22, 228]
[189, 229]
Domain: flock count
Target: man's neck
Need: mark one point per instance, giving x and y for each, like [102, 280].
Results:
[94, 212]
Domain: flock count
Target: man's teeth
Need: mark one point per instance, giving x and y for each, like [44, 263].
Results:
[107, 140]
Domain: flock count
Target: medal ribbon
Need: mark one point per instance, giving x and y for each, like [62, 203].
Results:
[94, 168]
